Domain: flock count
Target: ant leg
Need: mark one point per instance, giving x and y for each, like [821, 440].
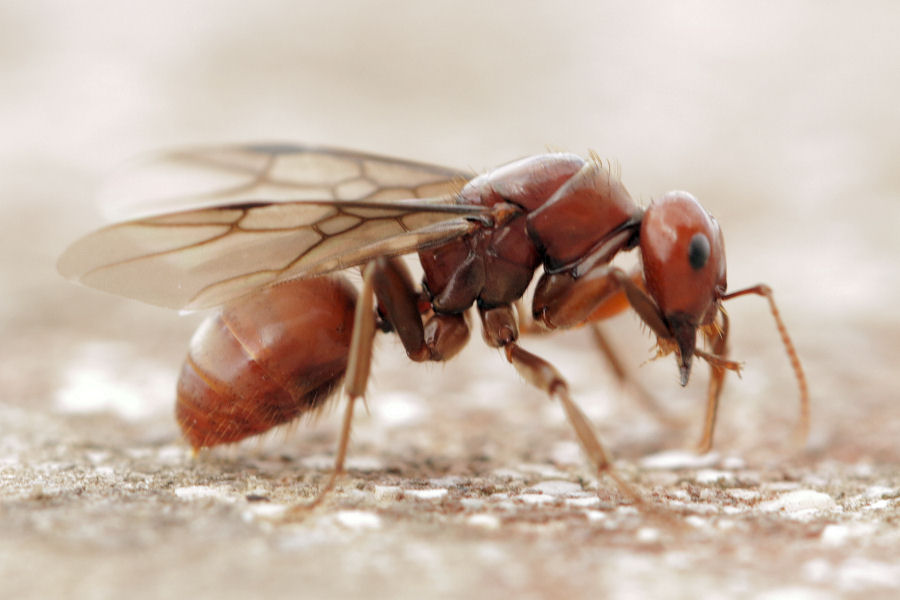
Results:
[500, 331]
[544, 376]
[562, 300]
[358, 366]
[650, 314]
[642, 304]
[527, 323]
[718, 341]
[439, 338]
[607, 351]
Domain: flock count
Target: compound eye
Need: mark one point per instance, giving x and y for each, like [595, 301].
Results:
[698, 251]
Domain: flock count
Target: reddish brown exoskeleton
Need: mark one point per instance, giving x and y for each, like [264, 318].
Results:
[263, 231]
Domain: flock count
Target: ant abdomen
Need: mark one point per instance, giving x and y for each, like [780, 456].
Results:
[265, 359]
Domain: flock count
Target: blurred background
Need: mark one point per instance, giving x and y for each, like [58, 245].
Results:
[782, 118]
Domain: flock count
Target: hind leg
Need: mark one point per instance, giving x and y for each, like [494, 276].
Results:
[439, 338]
[358, 366]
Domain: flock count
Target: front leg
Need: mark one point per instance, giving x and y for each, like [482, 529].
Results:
[562, 300]
[717, 337]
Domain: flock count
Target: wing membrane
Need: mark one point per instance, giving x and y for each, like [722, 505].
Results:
[235, 242]
[213, 176]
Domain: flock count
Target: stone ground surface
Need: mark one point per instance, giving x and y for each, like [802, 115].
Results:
[464, 482]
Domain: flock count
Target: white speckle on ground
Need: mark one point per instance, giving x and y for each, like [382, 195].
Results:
[387, 492]
[484, 521]
[854, 574]
[555, 487]
[448, 481]
[781, 486]
[880, 491]
[97, 457]
[679, 459]
[534, 498]
[472, 503]
[733, 463]
[317, 462]
[708, 476]
[696, 508]
[264, 510]
[567, 453]
[743, 494]
[696, 521]
[107, 472]
[358, 519]
[835, 535]
[879, 505]
[800, 503]
[648, 535]
[395, 409]
[795, 592]
[507, 474]
[859, 574]
[173, 454]
[541, 470]
[838, 534]
[596, 515]
[583, 501]
[202, 492]
[678, 494]
[364, 463]
[427, 494]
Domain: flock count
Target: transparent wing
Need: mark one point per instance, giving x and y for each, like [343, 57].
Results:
[239, 240]
[202, 177]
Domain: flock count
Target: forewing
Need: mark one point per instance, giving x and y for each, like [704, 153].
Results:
[205, 256]
[217, 175]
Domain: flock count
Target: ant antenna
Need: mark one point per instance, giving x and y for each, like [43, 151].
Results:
[764, 290]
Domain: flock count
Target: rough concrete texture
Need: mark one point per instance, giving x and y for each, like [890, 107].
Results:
[463, 481]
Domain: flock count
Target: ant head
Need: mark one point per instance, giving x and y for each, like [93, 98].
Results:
[683, 254]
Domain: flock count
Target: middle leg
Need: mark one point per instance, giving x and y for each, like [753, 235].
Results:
[501, 331]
